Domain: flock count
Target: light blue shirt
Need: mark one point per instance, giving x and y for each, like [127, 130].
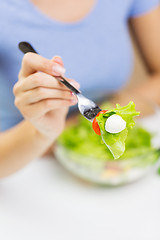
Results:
[96, 51]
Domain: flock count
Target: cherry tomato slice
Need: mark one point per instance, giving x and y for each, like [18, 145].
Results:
[95, 125]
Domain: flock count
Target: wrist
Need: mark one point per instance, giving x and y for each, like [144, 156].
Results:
[39, 135]
[150, 89]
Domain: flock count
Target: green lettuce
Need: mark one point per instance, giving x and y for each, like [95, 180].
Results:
[116, 141]
[82, 144]
[81, 140]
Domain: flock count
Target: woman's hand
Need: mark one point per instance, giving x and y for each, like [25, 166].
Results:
[41, 99]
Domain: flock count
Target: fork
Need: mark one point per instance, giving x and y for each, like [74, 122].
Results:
[87, 107]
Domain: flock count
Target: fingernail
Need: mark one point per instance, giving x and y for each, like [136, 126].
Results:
[75, 84]
[57, 57]
[57, 69]
[58, 60]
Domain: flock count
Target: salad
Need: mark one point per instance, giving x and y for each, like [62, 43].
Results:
[86, 155]
[131, 142]
[113, 125]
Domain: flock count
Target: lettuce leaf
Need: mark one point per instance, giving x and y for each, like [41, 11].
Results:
[83, 145]
[116, 141]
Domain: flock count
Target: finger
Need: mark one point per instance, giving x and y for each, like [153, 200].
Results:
[73, 82]
[39, 109]
[33, 62]
[60, 64]
[54, 105]
[39, 94]
[58, 59]
[40, 79]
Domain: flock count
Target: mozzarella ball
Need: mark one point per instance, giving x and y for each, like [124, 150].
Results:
[115, 124]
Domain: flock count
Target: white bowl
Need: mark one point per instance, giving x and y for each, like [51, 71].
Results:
[122, 171]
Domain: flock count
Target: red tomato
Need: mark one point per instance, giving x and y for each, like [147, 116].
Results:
[95, 125]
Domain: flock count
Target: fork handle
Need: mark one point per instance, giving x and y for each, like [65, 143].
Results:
[26, 47]
[68, 85]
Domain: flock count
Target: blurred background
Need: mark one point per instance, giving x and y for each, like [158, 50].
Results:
[69, 192]
[140, 71]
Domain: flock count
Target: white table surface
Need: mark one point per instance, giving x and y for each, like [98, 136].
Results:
[44, 202]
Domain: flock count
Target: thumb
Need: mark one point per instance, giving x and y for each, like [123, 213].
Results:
[58, 60]
[58, 66]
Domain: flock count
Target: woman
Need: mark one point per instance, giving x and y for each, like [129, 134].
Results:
[93, 40]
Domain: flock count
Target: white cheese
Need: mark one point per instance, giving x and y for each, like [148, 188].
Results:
[115, 124]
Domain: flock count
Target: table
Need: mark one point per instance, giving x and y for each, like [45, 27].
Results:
[44, 202]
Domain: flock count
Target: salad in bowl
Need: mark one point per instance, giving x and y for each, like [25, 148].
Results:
[113, 150]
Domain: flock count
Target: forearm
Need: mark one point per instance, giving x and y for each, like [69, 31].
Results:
[150, 89]
[146, 29]
[19, 146]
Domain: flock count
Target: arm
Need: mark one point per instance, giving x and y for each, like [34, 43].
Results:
[20, 145]
[43, 102]
[146, 29]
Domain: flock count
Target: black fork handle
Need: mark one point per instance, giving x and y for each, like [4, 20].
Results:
[26, 47]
